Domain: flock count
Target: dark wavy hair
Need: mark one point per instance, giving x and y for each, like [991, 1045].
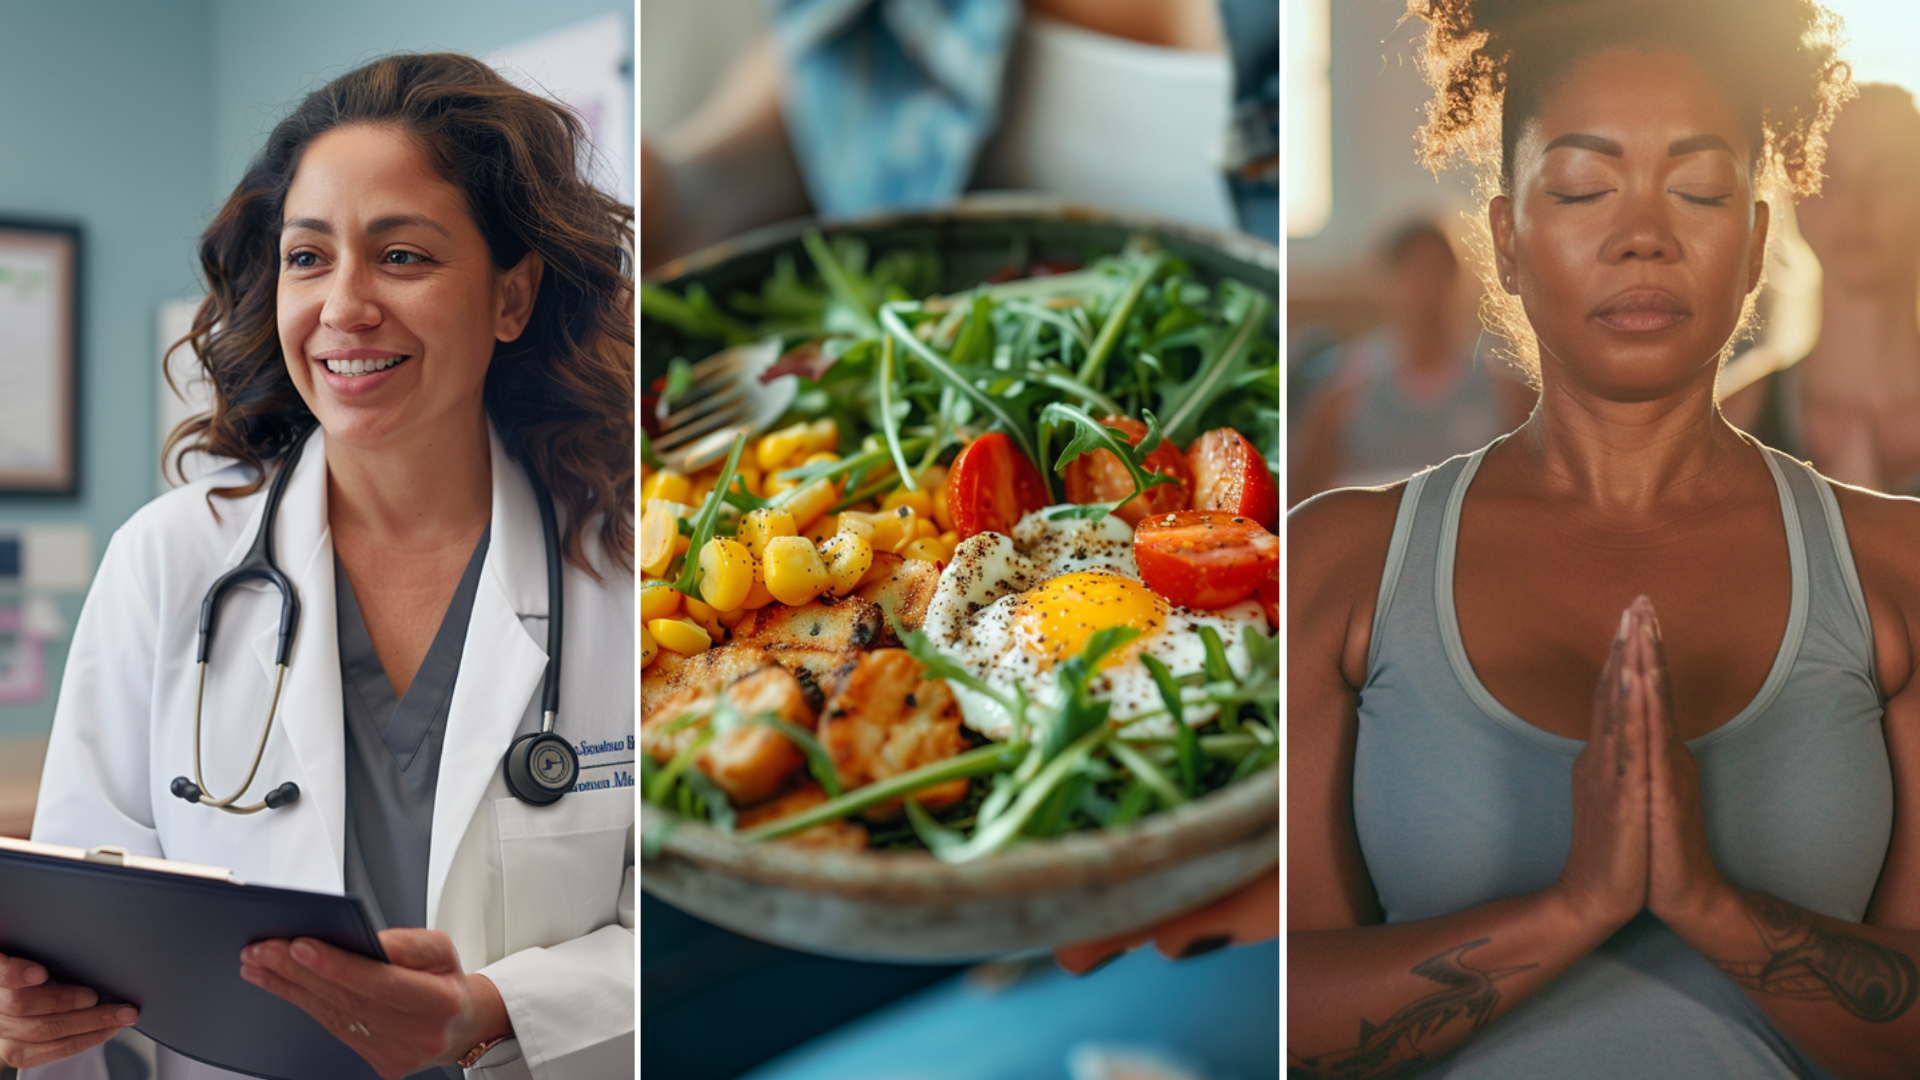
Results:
[1492, 63]
[561, 395]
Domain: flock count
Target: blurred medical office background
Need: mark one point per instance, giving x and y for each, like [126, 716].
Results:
[1389, 369]
[132, 120]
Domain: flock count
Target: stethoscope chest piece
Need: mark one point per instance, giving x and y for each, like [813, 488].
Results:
[540, 768]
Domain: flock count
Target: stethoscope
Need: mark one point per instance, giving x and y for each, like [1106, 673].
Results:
[540, 766]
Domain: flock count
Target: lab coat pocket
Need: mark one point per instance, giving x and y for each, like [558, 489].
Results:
[562, 866]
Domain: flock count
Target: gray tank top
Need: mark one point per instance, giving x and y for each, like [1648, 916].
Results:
[1457, 801]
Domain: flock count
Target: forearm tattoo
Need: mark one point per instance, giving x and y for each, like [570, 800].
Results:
[1397, 1046]
[1808, 963]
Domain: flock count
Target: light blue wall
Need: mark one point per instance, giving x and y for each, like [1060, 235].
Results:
[269, 54]
[135, 118]
[103, 121]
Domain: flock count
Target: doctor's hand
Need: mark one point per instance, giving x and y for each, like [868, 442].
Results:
[41, 1021]
[420, 1009]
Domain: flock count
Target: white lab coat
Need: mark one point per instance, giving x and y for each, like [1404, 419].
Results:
[540, 900]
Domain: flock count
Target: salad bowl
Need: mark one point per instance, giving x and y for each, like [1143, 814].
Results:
[911, 906]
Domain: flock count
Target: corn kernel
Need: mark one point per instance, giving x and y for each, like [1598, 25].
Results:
[820, 458]
[757, 596]
[667, 484]
[859, 524]
[794, 572]
[848, 558]
[726, 572]
[658, 600]
[658, 531]
[919, 501]
[951, 539]
[680, 635]
[812, 502]
[681, 543]
[892, 529]
[777, 448]
[731, 619]
[924, 529]
[942, 512]
[703, 487]
[760, 526]
[879, 571]
[926, 549]
[648, 650]
[824, 529]
[822, 434]
[775, 485]
[706, 617]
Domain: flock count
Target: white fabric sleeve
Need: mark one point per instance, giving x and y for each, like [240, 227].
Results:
[572, 1005]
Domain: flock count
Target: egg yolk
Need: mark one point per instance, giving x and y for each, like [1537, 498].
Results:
[1056, 619]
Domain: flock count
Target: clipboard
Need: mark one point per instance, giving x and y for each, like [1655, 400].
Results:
[166, 937]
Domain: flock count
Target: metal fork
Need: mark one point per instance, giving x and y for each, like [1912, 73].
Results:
[727, 397]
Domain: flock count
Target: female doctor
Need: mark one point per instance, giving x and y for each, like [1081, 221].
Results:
[421, 311]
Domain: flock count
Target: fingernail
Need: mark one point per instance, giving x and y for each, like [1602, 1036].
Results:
[305, 953]
[1205, 945]
[126, 1016]
[252, 975]
[1102, 962]
[250, 954]
[35, 976]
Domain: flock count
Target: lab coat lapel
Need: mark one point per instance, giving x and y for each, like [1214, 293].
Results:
[500, 666]
[311, 713]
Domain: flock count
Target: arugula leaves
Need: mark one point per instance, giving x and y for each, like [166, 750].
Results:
[1091, 435]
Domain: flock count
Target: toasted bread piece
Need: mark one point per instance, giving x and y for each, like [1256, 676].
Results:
[752, 761]
[839, 835]
[885, 720]
[820, 671]
[827, 623]
[903, 593]
[671, 674]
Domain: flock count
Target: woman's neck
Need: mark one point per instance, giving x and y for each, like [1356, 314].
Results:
[1629, 461]
[1868, 354]
[433, 489]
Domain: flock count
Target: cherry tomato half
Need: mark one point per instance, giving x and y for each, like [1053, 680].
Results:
[991, 486]
[1206, 559]
[1229, 474]
[1100, 477]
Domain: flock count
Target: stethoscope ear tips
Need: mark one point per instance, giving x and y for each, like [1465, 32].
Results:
[184, 788]
[283, 795]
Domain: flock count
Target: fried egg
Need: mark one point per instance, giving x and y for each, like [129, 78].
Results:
[1011, 609]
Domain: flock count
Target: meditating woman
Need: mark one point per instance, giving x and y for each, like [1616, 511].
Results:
[1535, 829]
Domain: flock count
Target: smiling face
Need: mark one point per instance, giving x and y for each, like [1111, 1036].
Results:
[1631, 235]
[388, 302]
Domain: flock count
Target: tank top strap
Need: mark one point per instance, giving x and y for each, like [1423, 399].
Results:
[1838, 627]
[1405, 605]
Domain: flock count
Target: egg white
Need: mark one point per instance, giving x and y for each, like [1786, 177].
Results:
[972, 619]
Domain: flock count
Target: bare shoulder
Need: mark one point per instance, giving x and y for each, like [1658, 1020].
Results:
[1336, 550]
[1884, 533]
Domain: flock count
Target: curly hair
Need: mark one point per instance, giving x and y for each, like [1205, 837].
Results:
[561, 395]
[1492, 63]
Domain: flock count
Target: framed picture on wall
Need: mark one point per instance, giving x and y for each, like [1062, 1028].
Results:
[39, 357]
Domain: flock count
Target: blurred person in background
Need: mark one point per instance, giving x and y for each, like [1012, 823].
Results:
[1852, 406]
[1412, 392]
[851, 108]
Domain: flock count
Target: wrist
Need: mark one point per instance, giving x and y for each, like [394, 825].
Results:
[1705, 913]
[1584, 914]
[486, 1022]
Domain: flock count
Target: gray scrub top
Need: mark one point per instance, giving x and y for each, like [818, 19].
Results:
[393, 756]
